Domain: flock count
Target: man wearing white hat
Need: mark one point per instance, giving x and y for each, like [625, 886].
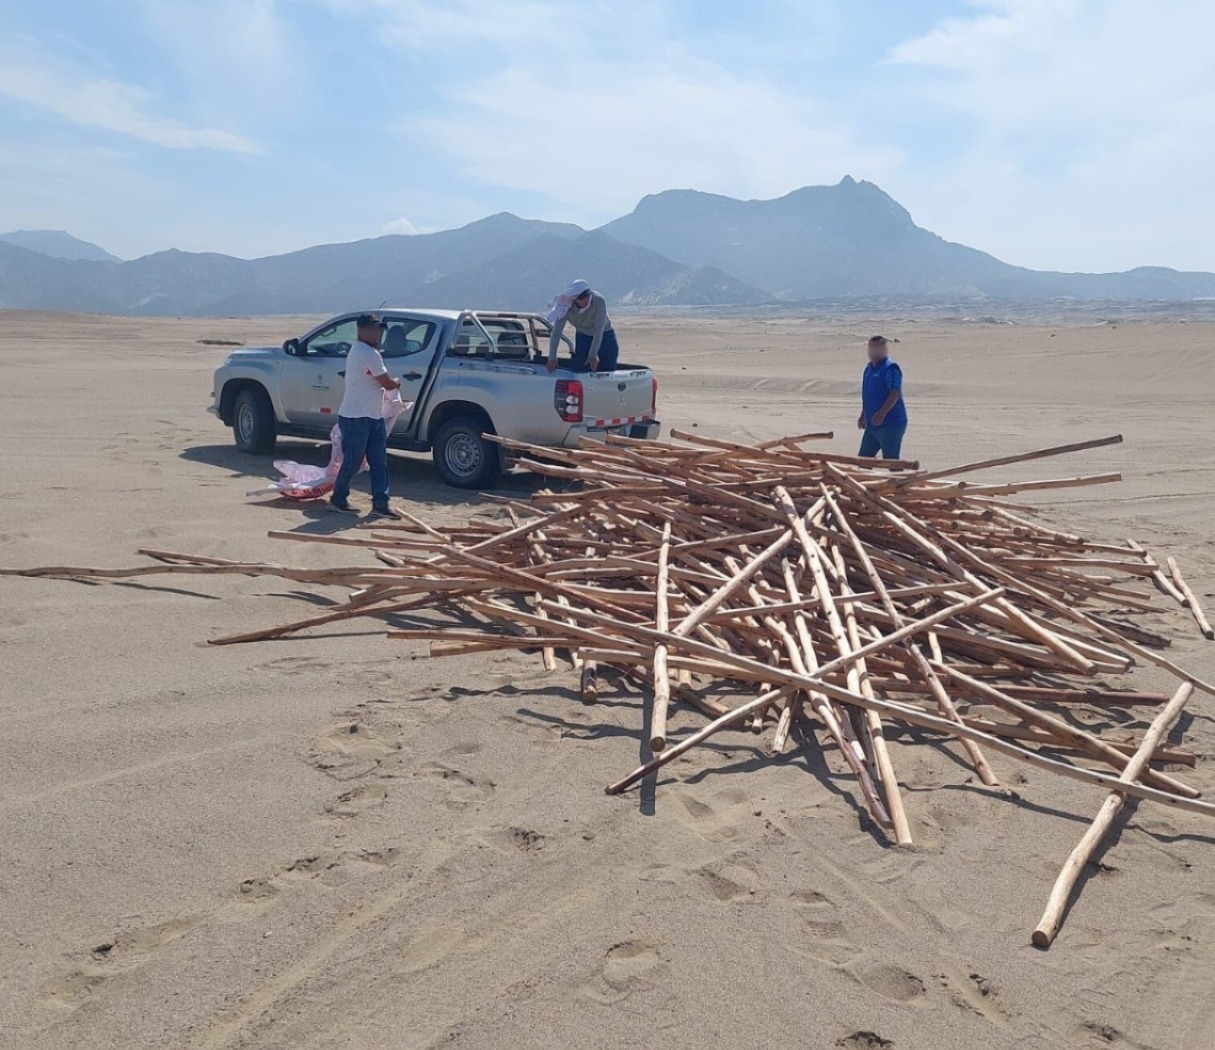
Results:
[595, 343]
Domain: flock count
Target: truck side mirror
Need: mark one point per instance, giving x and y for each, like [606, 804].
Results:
[291, 347]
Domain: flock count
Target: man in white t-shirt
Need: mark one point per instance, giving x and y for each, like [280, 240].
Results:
[361, 418]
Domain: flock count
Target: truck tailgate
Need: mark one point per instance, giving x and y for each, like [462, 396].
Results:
[613, 399]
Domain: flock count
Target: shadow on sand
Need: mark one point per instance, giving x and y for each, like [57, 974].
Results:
[411, 477]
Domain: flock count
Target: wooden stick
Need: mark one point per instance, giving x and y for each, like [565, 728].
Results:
[1004, 461]
[1175, 755]
[662, 677]
[1163, 583]
[1078, 737]
[982, 768]
[548, 656]
[1191, 600]
[732, 586]
[881, 753]
[805, 661]
[1052, 918]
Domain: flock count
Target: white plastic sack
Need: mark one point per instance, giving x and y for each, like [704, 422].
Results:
[302, 481]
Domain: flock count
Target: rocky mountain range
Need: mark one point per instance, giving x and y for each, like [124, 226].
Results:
[850, 241]
[58, 245]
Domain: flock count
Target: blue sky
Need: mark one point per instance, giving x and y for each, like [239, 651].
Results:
[1060, 134]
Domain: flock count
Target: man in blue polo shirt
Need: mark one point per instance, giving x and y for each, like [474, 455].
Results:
[883, 414]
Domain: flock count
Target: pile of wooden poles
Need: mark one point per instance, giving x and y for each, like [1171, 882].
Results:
[802, 594]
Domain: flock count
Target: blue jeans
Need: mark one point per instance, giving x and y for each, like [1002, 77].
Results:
[886, 439]
[609, 351]
[363, 438]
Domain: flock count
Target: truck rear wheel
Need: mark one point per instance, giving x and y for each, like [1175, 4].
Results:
[464, 459]
[253, 424]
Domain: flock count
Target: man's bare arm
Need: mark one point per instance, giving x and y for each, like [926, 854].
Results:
[892, 399]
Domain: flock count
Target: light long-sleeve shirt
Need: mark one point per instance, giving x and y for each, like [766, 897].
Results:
[592, 321]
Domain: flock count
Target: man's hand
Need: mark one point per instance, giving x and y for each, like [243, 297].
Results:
[550, 365]
[879, 417]
[397, 383]
[594, 363]
[860, 421]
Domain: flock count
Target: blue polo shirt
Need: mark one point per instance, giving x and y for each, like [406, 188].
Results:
[876, 385]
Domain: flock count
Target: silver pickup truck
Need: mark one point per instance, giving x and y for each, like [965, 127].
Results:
[468, 373]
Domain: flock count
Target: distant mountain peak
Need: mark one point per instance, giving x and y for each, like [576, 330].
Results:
[58, 244]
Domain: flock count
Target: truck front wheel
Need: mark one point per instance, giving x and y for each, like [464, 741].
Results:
[253, 422]
[464, 459]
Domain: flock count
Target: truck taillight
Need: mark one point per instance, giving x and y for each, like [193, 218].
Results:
[654, 398]
[567, 400]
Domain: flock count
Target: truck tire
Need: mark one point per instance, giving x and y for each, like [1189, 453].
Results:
[253, 424]
[464, 459]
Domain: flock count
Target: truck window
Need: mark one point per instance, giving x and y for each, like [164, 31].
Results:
[334, 340]
[405, 336]
[510, 335]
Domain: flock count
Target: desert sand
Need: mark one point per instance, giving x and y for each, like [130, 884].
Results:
[331, 841]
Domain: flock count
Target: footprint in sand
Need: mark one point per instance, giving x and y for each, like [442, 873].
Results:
[718, 820]
[726, 882]
[1097, 1036]
[976, 994]
[863, 1040]
[295, 664]
[526, 841]
[892, 982]
[460, 788]
[126, 951]
[627, 967]
[257, 891]
[357, 801]
[822, 935]
[351, 744]
[327, 867]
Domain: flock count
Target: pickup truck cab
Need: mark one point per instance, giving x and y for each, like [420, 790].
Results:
[469, 373]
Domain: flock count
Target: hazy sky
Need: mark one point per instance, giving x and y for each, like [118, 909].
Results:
[1061, 134]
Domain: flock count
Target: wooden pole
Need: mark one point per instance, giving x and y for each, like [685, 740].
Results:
[1190, 600]
[1004, 461]
[662, 677]
[1052, 918]
[1079, 738]
[1163, 583]
[548, 656]
[982, 768]
[881, 753]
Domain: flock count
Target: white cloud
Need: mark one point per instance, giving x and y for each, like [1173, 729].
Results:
[1090, 121]
[593, 106]
[238, 60]
[104, 103]
[600, 137]
[404, 226]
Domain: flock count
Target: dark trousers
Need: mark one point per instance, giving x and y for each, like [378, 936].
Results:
[609, 351]
[363, 438]
[886, 439]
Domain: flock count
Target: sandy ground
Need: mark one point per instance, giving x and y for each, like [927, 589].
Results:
[329, 842]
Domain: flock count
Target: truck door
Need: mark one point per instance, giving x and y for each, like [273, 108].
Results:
[312, 379]
[408, 347]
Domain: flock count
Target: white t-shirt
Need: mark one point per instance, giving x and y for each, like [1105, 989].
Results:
[364, 397]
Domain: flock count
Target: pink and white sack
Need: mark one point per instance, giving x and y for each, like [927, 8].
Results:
[302, 481]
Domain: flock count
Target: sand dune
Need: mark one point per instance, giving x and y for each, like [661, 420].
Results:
[328, 841]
